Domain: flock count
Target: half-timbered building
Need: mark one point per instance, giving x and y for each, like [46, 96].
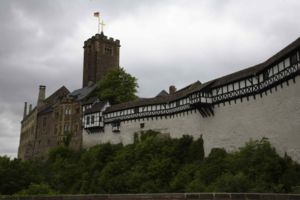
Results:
[259, 101]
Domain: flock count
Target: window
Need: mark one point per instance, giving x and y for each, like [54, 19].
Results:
[87, 120]
[108, 51]
[115, 126]
[66, 128]
[142, 125]
[68, 111]
[92, 119]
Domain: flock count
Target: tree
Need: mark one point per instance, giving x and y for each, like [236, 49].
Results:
[36, 189]
[117, 86]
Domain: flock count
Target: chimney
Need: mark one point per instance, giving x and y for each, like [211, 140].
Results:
[25, 110]
[30, 108]
[42, 94]
[172, 89]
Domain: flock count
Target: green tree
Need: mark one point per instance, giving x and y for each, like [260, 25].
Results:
[16, 175]
[35, 189]
[117, 86]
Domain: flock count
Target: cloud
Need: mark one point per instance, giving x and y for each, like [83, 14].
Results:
[164, 42]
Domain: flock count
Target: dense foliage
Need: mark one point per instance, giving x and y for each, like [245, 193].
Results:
[117, 86]
[154, 163]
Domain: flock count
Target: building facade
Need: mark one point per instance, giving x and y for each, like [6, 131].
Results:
[57, 119]
[260, 101]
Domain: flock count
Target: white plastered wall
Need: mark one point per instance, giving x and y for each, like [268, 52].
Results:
[275, 116]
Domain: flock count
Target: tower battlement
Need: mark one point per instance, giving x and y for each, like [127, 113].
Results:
[102, 38]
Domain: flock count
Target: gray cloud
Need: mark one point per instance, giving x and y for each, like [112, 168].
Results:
[163, 42]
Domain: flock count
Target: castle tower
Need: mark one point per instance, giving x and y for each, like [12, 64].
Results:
[100, 55]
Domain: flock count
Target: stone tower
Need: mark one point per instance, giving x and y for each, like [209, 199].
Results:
[100, 55]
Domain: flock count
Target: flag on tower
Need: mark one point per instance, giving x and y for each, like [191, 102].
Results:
[96, 14]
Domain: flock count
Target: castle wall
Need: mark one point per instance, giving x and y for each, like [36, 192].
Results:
[185, 123]
[45, 138]
[274, 115]
[27, 136]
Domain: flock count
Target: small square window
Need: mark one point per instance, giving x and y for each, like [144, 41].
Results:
[142, 125]
[116, 126]
[108, 51]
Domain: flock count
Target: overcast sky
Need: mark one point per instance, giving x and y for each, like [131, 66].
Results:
[164, 42]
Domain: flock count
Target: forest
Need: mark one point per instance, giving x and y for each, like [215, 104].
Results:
[154, 163]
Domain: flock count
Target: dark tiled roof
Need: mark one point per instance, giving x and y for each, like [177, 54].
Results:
[157, 100]
[82, 93]
[45, 110]
[197, 86]
[162, 93]
[237, 75]
[257, 68]
[284, 52]
[96, 107]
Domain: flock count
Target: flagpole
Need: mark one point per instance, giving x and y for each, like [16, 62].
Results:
[97, 14]
[98, 24]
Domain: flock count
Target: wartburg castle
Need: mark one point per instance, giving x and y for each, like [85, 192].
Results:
[259, 101]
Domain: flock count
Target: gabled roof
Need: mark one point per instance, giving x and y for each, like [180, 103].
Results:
[57, 95]
[52, 99]
[162, 93]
